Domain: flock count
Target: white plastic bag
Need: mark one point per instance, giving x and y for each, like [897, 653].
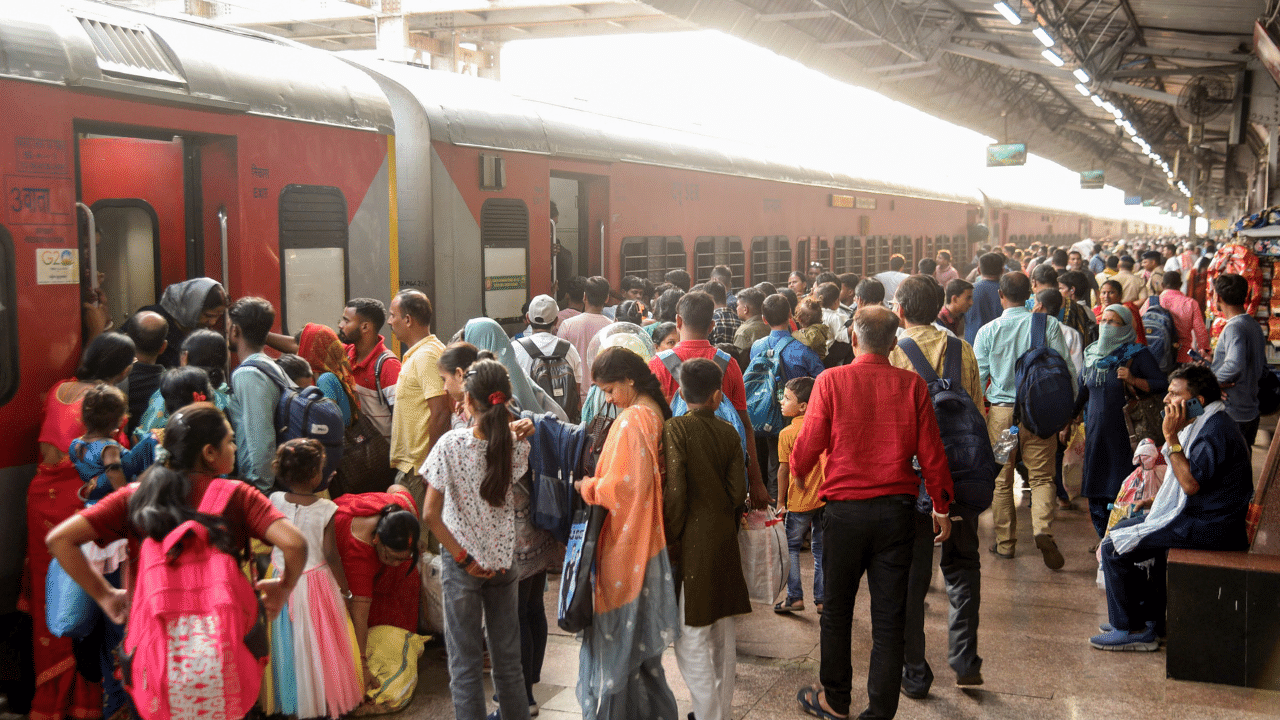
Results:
[432, 594]
[762, 542]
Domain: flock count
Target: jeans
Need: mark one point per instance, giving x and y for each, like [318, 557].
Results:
[962, 569]
[533, 629]
[797, 524]
[873, 537]
[465, 598]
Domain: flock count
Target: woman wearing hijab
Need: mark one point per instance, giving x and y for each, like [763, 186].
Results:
[188, 306]
[486, 334]
[320, 347]
[1111, 365]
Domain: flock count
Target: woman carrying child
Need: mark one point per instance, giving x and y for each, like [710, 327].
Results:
[470, 507]
[315, 664]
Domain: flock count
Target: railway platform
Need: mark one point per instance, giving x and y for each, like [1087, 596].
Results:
[1033, 640]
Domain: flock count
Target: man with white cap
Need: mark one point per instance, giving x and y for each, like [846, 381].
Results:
[553, 353]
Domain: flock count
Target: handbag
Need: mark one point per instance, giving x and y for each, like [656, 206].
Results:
[69, 611]
[575, 606]
[597, 433]
[1142, 416]
[366, 460]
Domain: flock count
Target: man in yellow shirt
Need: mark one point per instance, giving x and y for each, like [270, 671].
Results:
[421, 414]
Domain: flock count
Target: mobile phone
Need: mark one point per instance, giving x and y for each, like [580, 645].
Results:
[1194, 408]
[1195, 355]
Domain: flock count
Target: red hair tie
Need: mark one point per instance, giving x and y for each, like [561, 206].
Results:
[198, 397]
[497, 398]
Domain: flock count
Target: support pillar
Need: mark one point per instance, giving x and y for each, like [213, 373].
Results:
[1273, 160]
[393, 38]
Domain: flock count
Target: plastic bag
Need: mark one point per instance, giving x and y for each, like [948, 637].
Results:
[432, 593]
[762, 542]
[69, 611]
[392, 656]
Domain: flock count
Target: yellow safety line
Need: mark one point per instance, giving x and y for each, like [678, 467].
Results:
[393, 230]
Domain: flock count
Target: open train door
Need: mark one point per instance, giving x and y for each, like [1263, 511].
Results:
[218, 210]
[136, 189]
[582, 202]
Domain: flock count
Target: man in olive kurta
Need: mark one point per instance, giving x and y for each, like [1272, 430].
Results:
[703, 499]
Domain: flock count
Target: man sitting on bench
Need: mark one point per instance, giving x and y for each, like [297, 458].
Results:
[1201, 505]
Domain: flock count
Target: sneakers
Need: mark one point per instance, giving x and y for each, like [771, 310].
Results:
[1049, 549]
[1125, 641]
[974, 678]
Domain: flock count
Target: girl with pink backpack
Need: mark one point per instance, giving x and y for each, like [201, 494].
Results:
[195, 642]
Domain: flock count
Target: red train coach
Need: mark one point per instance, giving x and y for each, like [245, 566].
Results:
[198, 151]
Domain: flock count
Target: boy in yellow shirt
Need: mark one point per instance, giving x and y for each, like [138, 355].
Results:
[798, 498]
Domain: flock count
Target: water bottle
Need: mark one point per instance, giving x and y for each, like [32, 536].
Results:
[1005, 445]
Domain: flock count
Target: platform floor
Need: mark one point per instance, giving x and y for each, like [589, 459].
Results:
[1033, 640]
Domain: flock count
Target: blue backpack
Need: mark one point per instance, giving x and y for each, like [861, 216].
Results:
[765, 381]
[1045, 393]
[307, 413]
[726, 410]
[964, 431]
[1162, 334]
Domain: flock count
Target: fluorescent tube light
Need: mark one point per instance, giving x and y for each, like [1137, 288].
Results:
[1052, 57]
[1081, 75]
[1008, 13]
[1043, 37]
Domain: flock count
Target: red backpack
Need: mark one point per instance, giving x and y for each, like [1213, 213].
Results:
[196, 644]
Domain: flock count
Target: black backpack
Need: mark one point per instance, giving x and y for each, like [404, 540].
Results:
[307, 413]
[1045, 394]
[964, 431]
[553, 373]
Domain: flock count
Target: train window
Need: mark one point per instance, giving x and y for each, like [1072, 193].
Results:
[709, 251]
[504, 236]
[8, 319]
[652, 257]
[770, 259]
[853, 256]
[313, 251]
[902, 245]
[813, 249]
[877, 252]
[128, 254]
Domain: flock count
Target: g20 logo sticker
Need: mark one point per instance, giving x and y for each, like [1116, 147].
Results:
[57, 266]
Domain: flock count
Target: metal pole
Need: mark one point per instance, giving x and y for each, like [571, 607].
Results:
[93, 248]
[226, 260]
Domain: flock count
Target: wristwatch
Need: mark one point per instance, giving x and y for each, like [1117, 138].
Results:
[1174, 448]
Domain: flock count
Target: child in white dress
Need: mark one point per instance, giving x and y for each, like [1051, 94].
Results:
[315, 666]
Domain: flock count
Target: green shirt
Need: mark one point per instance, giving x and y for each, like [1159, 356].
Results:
[1002, 341]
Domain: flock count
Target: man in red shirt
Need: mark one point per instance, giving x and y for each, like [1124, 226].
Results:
[871, 419]
[693, 321]
[367, 351]
[1187, 318]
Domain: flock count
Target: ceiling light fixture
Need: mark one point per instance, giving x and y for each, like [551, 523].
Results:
[1052, 57]
[1096, 100]
[1043, 37]
[1081, 75]
[1008, 13]
[1082, 90]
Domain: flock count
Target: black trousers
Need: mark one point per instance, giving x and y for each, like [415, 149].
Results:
[961, 566]
[533, 629]
[1250, 429]
[872, 537]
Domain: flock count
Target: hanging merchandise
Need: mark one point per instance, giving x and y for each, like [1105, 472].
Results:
[1234, 257]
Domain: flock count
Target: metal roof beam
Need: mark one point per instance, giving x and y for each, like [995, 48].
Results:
[1009, 61]
[1168, 72]
[1141, 92]
[1187, 54]
[789, 16]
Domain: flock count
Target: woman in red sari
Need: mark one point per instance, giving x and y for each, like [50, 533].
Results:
[51, 498]
[378, 535]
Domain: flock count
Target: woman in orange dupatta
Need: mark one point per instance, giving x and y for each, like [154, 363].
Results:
[620, 665]
[52, 497]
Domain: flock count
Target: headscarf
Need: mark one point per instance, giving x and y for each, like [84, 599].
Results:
[620, 334]
[486, 334]
[320, 347]
[184, 301]
[658, 331]
[1115, 345]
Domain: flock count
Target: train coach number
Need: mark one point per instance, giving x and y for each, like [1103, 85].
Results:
[685, 192]
[261, 193]
[31, 200]
[37, 201]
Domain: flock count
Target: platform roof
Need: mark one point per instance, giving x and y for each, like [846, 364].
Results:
[960, 60]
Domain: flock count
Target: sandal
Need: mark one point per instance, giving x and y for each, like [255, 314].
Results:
[788, 607]
[809, 703]
[818, 607]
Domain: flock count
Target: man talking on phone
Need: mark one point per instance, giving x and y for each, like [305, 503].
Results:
[1201, 504]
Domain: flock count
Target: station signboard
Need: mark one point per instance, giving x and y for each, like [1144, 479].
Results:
[1093, 179]
[1006, 154]
[1132, 199]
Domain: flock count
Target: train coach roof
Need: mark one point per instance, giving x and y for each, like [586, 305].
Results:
[107, 49]
[472, 112]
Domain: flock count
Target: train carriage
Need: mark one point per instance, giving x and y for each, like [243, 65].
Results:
[198, 151]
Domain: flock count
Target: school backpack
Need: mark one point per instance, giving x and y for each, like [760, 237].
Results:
[1045, 392]
[964, 431]
[1162, 335]
[726, 410]
[307, 413]
[553, 373]
[196, 643]
[765, 380]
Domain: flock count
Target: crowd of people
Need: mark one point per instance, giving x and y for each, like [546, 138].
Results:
[831, 401]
